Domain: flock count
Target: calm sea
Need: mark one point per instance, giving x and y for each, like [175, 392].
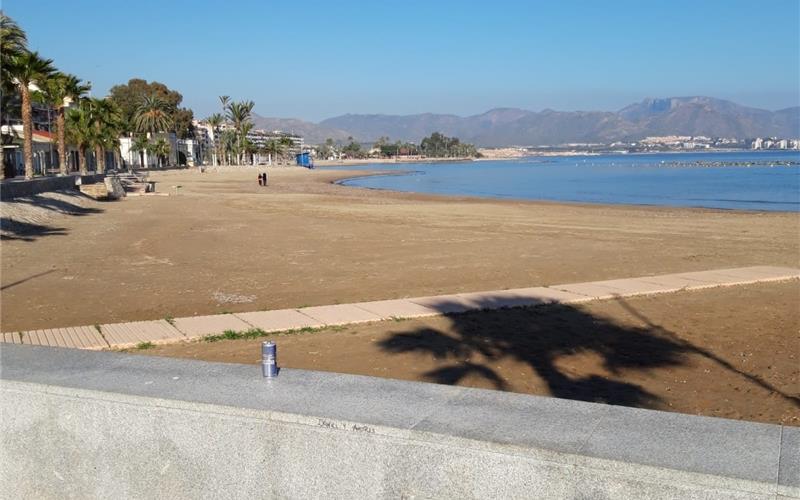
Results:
[746, 180]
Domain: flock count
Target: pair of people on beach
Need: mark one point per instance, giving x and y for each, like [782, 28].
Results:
[262, 179]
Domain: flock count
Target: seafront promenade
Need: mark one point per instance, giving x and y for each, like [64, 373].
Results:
[168, 330]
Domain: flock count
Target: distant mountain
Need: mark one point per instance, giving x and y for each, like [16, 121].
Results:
[511, 126]
[311, 132]
[409, 127]
[710, 117]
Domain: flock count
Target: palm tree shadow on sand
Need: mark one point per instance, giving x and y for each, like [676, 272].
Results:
[12, 229]
[539, 337]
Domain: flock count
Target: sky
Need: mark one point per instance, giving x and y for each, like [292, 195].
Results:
[314, 60]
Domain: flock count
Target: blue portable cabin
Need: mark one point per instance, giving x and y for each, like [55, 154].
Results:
[304, 160]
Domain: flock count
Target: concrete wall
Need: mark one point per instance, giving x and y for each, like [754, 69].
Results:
[80, 424]
[17, 188]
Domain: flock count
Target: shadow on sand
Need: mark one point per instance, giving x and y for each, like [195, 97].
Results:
[12, 228]
[540, 336]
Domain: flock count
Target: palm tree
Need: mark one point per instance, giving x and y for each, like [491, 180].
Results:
[285, 143]
[160, 149]
[28, 69]
[215, 121]
[59, 90]
[247, 148]
[239, 115]
[13, 42]
[110, 140]
[139, 145]
[153, 115]
[81, 132]
[225, 100]
[274, 149]
[228, 143]
[105, 117]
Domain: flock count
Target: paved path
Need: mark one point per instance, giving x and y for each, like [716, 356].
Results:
[160, 331]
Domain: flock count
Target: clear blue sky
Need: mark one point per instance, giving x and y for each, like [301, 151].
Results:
[316, 59]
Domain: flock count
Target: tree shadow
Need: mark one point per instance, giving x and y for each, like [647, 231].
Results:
[58, 205]
[545, 338]
[25, 229]
[34, 276]
[538, 337]
[709, 355]
[11, 230]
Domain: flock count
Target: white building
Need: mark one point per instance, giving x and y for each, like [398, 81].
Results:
[190, 152]
[262, 137]
[181, 152]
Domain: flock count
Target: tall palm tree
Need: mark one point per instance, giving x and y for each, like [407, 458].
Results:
[111, 142]
[81, 132]
[286, 143]
[59, 90]
[228, 143]
[239, 114]
[105, 117]
[153, 115]
[215, 121]
[225, 101]
[28, 69]
[13, 42]
[139, 145]
[246, 147]
[113, 128]
[274, 148]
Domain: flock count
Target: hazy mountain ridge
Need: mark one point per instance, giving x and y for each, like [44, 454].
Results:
[696, 115]
[311, 132]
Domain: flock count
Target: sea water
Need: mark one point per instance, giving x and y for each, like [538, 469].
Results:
[740, 180]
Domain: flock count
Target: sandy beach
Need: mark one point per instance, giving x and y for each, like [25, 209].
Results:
[729, 352]
[225, 244]
[220, 243]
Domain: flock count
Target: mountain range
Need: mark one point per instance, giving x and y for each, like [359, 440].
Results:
[694, 116]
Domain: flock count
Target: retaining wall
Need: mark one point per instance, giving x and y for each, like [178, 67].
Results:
[13, 188]
[81, 424]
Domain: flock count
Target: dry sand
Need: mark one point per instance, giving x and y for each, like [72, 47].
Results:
[225, 244]
[727, 352]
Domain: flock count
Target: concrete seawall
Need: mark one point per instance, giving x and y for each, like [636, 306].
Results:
[82, 424]
[13, 188]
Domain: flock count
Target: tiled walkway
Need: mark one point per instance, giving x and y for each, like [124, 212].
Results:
[160, 331]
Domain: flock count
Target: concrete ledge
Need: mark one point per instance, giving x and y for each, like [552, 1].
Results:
[17, 188]
[97, 424]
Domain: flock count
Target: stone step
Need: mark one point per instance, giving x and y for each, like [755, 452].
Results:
[97, 191]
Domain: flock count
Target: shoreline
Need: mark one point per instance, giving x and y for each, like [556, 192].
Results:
[363, 174]
[369, 161]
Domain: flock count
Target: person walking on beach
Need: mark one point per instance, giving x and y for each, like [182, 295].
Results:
[260, 179]
[265, 179]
